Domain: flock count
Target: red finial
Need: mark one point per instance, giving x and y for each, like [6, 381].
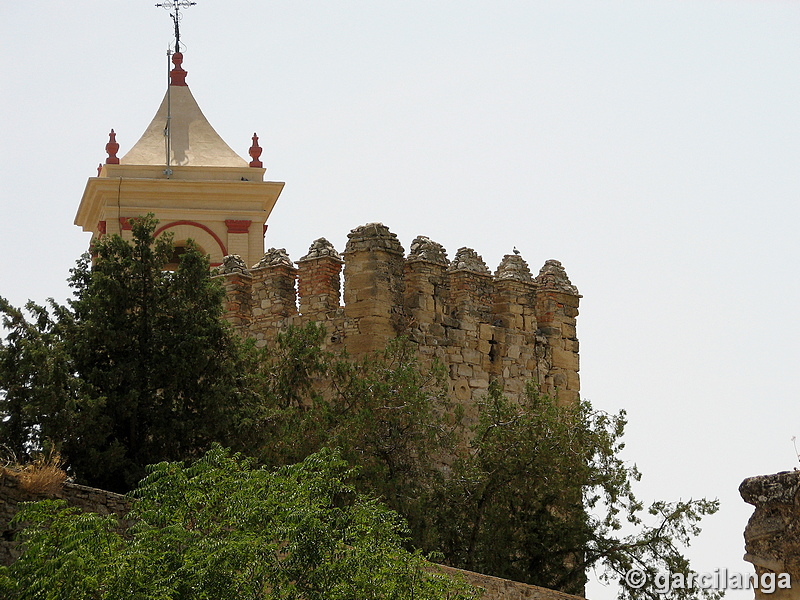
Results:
[112, 147]
[255, 153]
[99, 168]
[177, 76]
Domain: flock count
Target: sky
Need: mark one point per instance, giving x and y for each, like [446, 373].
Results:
[649, 145]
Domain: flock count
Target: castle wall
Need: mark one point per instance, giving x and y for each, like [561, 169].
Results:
[508, 327]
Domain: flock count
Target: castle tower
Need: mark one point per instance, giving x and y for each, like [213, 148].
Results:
[556, 309]
[183, 171]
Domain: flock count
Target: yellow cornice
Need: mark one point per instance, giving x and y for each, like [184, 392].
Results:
[183, 173]
[228, 197]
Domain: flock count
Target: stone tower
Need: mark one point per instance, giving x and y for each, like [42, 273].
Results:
[183, 171]
[509, 327]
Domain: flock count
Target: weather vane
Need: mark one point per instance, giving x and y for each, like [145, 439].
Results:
[175, 6]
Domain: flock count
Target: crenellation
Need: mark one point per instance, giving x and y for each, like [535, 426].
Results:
[507, 327]
[374, 288]
[513, 266]
[318, 286]
[514, 304]
[425, 249]
[319, 281]
[426, 292]
[556, 308]
[471, 293]
[468, 260]
[373, 237]
[274, 257]
[273, 287]
[238, 288]
[552, 276]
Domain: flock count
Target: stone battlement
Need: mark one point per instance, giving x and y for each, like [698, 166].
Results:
[508, 326]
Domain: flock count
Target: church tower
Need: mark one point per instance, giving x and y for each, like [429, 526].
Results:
[182, 171]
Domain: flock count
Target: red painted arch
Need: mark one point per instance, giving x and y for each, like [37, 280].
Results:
[194, 224]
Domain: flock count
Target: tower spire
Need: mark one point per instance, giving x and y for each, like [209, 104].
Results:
[175, 6]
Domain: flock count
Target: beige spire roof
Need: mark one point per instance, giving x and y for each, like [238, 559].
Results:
[193, 141]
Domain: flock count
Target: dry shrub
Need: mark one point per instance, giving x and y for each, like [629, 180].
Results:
[44, 475]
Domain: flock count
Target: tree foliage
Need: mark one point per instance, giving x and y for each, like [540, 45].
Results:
[386, 414]
[533, 490]
[222, 529]
[138, 367]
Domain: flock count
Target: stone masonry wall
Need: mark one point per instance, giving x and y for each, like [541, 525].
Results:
[505, 589]
[12, 492]
[508, 326]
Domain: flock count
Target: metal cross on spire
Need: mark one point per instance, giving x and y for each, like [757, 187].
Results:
[175, 6]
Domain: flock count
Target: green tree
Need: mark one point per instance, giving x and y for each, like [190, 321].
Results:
[222, 529]
[385, 412]
[514, 505]
[531, 490]
[34, 378]
[394, 419]
[541, 495]
[138, 367]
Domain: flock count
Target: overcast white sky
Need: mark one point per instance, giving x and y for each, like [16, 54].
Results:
[650, 145]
